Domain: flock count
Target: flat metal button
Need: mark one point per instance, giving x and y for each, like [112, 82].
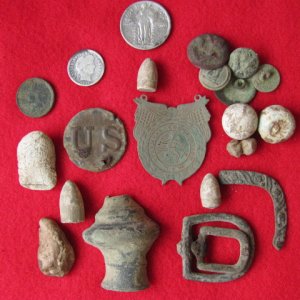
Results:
[215, 80]
[243, 62]
[95, 139]
[266, 79]
[208, 51]
[237, 91]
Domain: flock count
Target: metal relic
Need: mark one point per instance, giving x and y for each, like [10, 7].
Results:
[266, 79]
[124, 234]
[272, 187]
[145, 25]
[237, 91]
[95, 139]
[208, 51]
[243, 62]
[35, 97]
[190, 249]
[86, 67]
[215, 80]
[172, 140]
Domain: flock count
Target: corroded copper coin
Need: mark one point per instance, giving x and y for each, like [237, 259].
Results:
[95, 139]
[208, 51]
[35, 97]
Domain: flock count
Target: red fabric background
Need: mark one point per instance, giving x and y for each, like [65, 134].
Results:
[37, 39]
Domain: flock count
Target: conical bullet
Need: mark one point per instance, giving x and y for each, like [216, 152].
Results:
[210, 192]
[147, 76]
[55, 254]
[71, 204]
[36, 161]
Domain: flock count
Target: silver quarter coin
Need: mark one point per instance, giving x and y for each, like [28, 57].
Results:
[215, 80]
[145, 25]
[86, 67]
[35, 97]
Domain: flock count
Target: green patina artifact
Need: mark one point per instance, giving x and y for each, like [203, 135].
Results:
[243, 62]
[172, 140]
[272, 187]
[266, 79]
[236, 91]
[215, 80]
[124, 234]
[95, 139]
[35, 97]
[190, 249]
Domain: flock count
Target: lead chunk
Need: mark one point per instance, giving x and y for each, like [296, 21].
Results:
[124, 234]
[55, 254]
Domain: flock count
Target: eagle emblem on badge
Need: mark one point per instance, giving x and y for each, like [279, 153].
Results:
[172, 140]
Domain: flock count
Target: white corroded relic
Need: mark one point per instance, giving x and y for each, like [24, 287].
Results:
[237, 148]
[36, 161]
[71, 204]
[147, 76]
[239, 121]
[276, 124]
[210, 193]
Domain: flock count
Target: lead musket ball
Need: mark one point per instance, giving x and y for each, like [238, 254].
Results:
[239, 121]
[276, 124]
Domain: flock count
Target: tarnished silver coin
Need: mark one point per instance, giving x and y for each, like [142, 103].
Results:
[215, 80]
[86, 67]
[208, 51]
[35, 97]
[145, 25]
[266, 79]
[95, 139]
[243, 62]
[237, 91]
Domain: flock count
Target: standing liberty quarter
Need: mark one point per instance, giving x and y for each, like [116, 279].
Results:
[86, 67]
[145, 25]
[35, 97]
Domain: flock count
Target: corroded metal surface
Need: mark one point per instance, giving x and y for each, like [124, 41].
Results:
[272, 187]
[190, 249]
[35, 97]
[124, 234]
[95, 139]
[236, 91]
[208, 51]
[172, 141]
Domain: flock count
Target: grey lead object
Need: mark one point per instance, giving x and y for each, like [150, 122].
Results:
[124, 234]
[189, 249]
[272, 187]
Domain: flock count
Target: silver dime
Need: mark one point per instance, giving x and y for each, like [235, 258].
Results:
[215, 80]
[35, 97]
[145, 25]
[243, 62]
[86, 67]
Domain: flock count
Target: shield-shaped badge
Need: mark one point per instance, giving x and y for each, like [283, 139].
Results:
[172, 140]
